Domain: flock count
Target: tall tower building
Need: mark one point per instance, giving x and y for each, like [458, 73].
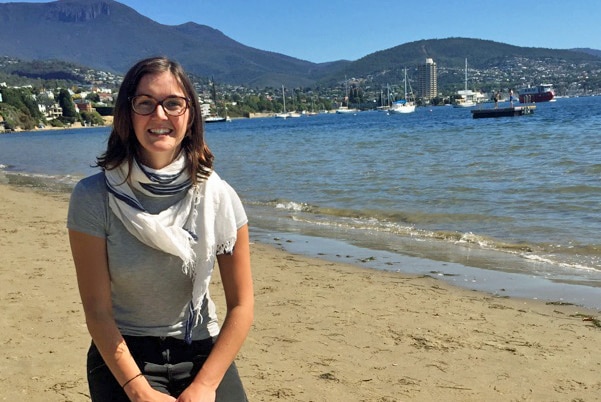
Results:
[427, 83]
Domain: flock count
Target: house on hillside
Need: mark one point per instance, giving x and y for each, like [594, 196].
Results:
[84, 106]
[51, 112]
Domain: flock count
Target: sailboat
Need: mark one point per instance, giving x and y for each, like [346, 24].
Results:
[312, 112]
[283, 115]
[467, 95]
[345, 109]
[216, 118]
[404, 105]
[384, 107]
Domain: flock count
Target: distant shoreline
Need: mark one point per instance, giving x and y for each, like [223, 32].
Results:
[108, 122]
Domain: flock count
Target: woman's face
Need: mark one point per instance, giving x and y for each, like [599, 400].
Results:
[160, 135]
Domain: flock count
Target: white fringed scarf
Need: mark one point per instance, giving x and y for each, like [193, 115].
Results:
[196, 229]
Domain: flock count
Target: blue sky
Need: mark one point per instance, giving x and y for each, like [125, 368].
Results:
[328, 30]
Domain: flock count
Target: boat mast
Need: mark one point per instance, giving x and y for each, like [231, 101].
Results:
[346, 91]
[214, 95]
[405, 83]
[388, 95]
[466, 73]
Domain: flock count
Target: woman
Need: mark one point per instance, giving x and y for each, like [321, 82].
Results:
[144, 234]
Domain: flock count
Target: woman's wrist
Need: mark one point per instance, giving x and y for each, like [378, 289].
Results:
[136, 387]
[126, 383]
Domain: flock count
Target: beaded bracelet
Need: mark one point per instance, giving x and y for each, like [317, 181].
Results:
[131, 379]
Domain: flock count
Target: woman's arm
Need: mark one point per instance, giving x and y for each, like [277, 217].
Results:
[90, 258]
[238, 287]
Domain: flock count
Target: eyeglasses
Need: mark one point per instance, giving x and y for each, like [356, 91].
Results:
[172, 105]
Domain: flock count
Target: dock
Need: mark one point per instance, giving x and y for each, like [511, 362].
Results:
[503, 111]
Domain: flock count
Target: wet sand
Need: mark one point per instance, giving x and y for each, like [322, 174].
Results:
[323, 331]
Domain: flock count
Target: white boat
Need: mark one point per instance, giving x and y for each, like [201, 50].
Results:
[466, 96]
[346, 109]
[384, 107]
[404, 105]
[464, 102]
[282, 115]
[216, 118]
[285, 114]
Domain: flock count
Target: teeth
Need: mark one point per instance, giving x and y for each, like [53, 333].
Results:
[160, 131]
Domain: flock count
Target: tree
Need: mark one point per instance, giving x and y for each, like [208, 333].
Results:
[356, 95]
[66, 103]
[92, 118]
[32, 106]
[93, 97]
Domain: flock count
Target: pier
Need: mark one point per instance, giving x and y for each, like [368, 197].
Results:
[503, 112]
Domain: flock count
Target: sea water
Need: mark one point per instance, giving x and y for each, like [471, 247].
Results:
[507, 205]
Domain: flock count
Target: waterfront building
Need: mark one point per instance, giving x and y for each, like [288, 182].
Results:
[427, 80]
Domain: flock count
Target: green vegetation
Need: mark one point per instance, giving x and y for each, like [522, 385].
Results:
[492, 67]
[39, 74]
[92, 118]
[19, 108]
[70, 114]
[51, 70]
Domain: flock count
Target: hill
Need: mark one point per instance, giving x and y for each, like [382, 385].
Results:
[110, 36]
[590, 51]
[492, 62]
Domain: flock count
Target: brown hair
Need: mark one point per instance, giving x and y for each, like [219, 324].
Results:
[123, 145]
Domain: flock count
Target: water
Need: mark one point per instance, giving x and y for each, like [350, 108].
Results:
[509, 205]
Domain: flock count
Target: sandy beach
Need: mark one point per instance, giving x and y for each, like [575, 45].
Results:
[323, 331]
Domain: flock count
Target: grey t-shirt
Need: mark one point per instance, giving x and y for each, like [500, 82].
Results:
[150, 293]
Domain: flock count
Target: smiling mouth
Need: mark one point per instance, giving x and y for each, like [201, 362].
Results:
[159, 131]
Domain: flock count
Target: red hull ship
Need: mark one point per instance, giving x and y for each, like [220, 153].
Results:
[540, 93]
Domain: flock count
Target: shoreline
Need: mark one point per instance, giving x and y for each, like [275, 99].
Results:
[323, 330]
[108, 122]
[494, 282]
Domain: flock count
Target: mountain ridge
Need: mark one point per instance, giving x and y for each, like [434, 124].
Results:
[107, 35]
[99, 33]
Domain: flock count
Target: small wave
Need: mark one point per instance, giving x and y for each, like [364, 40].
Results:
[471, 238]
[291, 206]
[568, 266]
[403, 227]
[549, 260]
[52, 183]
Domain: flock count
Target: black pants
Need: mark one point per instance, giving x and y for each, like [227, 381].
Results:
[168, 364]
